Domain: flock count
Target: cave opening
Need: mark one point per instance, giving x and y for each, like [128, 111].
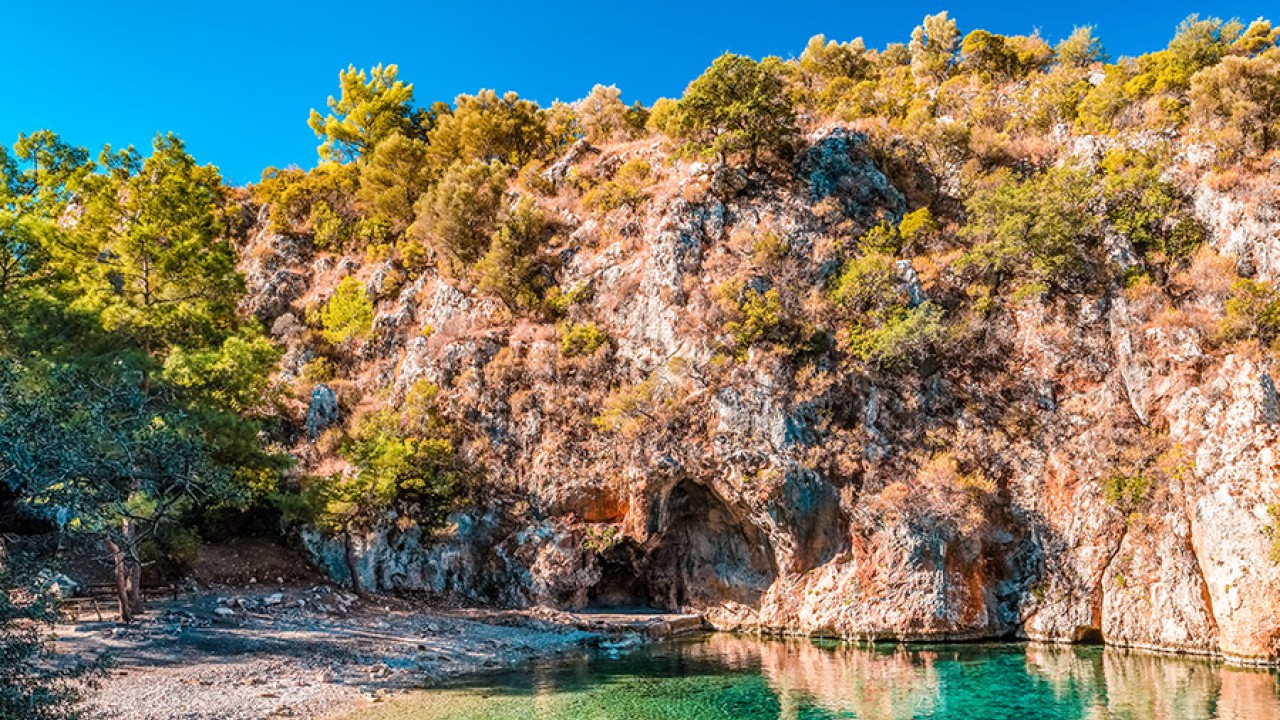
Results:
[623, 585]
[700, 554]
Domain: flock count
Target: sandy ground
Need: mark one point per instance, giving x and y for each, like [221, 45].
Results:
[312, 652]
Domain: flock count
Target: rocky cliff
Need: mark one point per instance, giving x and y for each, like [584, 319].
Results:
[1071, 467]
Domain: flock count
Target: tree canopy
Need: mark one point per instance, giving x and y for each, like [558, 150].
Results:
[372, 107]
[737, 106]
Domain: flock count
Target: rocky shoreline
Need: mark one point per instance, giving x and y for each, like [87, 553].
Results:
[322, 653]
[313, 652]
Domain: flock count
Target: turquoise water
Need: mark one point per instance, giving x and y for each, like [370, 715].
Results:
[725, 677]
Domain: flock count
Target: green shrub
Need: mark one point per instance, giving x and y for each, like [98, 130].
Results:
[917, 225]
[558, 301]
[1253, 311]
[737, 106]
[318, 202]
[883, 239]
[582, 339]
[492, 129]
[626, 189]
[900, 335]
[867, 284]
[457, 217]
[348, 314]
[512, 267]
[756, 317]
[1147, 209]
[171, 554]
[327, 228]
[1037, 229]
[1125, 492]
[769, 247]
[631, 409]
[881, 326]
[1237, 103]
[317, 370]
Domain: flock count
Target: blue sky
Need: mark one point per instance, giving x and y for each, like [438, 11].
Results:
[237, 79]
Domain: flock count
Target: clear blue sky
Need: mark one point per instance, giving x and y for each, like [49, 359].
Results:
[237, 79]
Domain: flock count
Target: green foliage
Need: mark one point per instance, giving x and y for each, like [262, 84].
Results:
[392, 179]
[756, 317]
[630, 409]
[824, 61]
[867, 284]
[1238, 102]
[738, 105]
[603, 116]
[901, 335]
[401, 462]
[626, 189]
[597, 539]
[171, 553]
[318, 370]
[349, 313]
[1080, 49]
[933, 49]
[457, 217]
[126, 375]
[582, 339]
[316, 202]
[882, 327]
[1147, 209]
[512, 267]
[917, 225]
[233, 375]
[25, 240]
[56, 168]
[1155, 85]
[34, 683]
[664, 117]
[883, 238]
[1253, 311]
[152, 259]
[1003, 58]
[1125, 491]
[487, 128]
[1037, 229]
[114, 457]
[373, 106]
[769, 247]
[558, 301]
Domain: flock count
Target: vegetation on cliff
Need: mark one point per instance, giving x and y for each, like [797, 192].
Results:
[141, 402]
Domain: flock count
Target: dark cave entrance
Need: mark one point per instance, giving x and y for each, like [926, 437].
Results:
[623, 584]
[699, 554]
[702, 555]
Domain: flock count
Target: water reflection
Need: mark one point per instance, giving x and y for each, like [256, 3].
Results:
[743, 678]
[1008, 680]
[836, 677]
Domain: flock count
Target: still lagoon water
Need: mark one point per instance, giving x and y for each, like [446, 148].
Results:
[727, 677]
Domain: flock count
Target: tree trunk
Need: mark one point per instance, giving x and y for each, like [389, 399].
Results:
[122, 580]
[127, 569]
[133, 564]
[350, 556]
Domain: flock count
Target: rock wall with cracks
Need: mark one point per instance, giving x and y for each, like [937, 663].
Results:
[786, 497]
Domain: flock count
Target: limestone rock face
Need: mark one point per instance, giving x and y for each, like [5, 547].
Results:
[1244, 228]
[1004, 490]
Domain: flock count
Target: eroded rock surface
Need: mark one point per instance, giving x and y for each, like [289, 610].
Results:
[796, 497]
